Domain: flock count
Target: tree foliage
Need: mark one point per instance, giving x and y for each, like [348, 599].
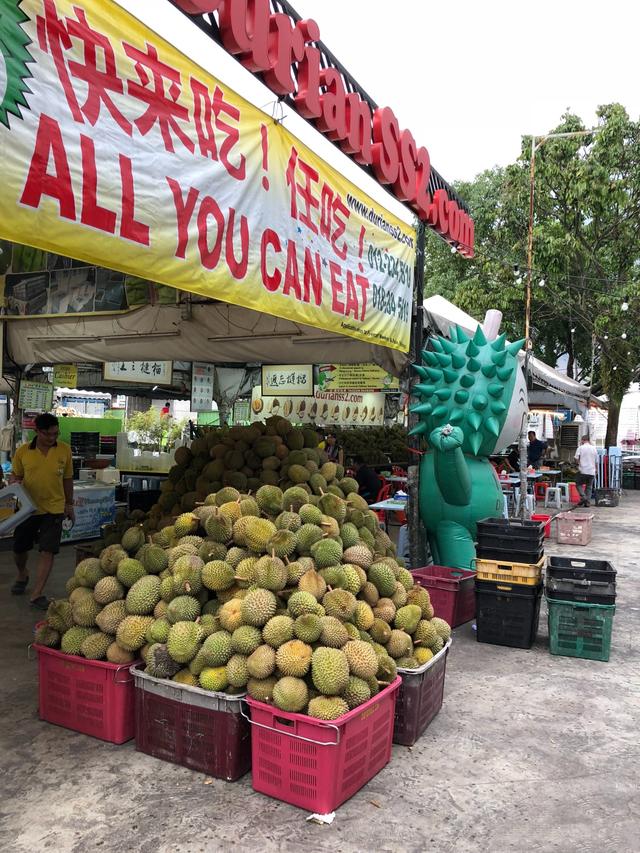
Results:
[586, 247]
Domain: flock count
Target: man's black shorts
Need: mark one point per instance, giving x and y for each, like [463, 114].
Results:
[44, 529]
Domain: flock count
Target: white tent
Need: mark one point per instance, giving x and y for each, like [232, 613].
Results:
[442, 315]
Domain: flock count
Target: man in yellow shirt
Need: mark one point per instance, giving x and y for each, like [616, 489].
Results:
[45, 469]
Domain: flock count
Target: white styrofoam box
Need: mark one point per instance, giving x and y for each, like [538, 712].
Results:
[108, 475]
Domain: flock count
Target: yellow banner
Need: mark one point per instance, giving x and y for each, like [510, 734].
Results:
[120, 151]
[65, 375]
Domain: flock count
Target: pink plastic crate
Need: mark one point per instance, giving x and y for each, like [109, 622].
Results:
[547, 523]
[88, 696]
[574, 528]
[451, 591]
[318, 765]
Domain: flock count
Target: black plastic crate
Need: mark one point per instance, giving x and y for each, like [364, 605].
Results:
[419, 698]
[509, 554]
[607, 497]
[507, 614]
[576, 568]
[585, 591]
[510, 533]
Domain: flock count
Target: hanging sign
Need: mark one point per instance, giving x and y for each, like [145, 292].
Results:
[363, 377]
[295, 380]
[139, 372]
[35, 396]
[324, 408]
[65, 375]
[201, 386]
[118, 150]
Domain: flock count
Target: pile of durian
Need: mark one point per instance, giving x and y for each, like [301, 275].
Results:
[292, 594]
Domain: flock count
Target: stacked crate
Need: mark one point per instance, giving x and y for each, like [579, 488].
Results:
[509, 565]
[581, 597]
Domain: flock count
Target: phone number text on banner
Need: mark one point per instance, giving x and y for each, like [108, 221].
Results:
[119, 151]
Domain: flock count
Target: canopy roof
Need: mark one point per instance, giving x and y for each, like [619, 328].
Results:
[218, 332]
[441, 315]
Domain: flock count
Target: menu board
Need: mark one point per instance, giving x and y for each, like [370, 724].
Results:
[35, 396]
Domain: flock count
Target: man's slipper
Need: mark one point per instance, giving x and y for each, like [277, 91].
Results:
[19, 587]
[40, 603]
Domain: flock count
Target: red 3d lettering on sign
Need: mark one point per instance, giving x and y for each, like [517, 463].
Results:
[273, 45]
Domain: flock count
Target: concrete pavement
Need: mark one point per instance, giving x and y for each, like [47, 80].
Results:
[530, 752]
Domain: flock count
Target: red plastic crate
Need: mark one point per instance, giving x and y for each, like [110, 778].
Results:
[318, 765]
[192, 727]
[547, 523]
[451, 591]
[420, 698]
[89, 696]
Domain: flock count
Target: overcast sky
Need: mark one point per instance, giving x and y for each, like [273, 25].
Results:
[468, 78]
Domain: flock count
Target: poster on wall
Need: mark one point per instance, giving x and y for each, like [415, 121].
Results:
[143, 372]
[202, 375]
[120, 151]
[295, 380]
[65, 375]
[364, 377]
[348, 408]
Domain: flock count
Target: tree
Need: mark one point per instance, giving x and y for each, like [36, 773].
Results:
[586, 249]
[154, 432]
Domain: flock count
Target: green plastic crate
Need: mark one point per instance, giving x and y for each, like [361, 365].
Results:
[580, 630]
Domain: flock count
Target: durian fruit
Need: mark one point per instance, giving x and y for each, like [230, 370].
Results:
[302, 602]
[129, 571]
[258, 607]
[422, 655]
[159, 662]
[183, 608]
[383, 578]
[443, 628]
[407, 618]
[294, 658]
[214, 678]
[357, 692]
[334, 633]
[278, 630]
[108, 589]
[327, 707]
[95, 646]
[308, 627]
[184, 641]
[261, 689]
[111, 616]
[131, 632]
[218, 575]
[329, 671]
[133, 539]
[262, 662]
[143, 596]
[258, 533]
[246, 639]
[326, 552]
[362, 659]
[400, 644]
[237, 672]
[45, 635]
[88, 572]
[340, 603]
[116, 654]
[270, 573]
[85, 611]
[217, 649]
[290, 694]
[359, 555]
[72, 640]
[59, 615]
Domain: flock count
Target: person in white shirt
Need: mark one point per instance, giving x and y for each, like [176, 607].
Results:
[586, 457]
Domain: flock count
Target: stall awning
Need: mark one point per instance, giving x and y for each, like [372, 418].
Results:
[441, 315]
[217, 332]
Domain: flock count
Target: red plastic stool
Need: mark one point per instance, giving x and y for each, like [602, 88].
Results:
[539, 490]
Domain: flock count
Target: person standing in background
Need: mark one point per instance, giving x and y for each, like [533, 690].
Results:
[535, 450]
[44, 467]
[165, 410]
[333, 450]
[587, 458]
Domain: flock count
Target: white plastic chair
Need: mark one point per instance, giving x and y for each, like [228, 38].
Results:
[552, 497]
